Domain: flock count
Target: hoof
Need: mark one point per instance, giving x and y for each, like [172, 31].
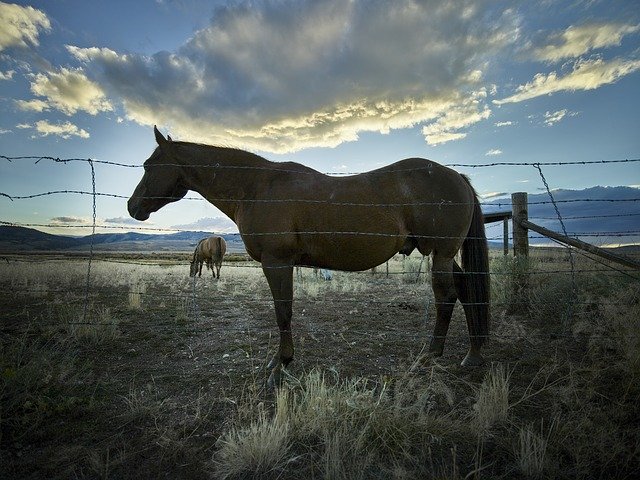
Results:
[473, 360]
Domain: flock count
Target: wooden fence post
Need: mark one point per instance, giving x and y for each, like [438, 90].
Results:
[520, 233]
[519, 301]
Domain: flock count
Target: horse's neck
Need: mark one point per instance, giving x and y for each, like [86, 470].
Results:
[223, 175]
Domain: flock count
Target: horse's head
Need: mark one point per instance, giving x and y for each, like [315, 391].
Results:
[193, 269]
[162, 182]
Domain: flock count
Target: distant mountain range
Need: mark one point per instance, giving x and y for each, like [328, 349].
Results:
[13, 239]
[598, 215]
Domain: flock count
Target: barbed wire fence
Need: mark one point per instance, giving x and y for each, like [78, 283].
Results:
[191, 294]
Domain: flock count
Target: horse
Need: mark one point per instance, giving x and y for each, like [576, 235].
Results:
[209, 251]
[290, 215]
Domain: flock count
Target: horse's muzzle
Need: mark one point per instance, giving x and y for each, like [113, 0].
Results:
[135, 211]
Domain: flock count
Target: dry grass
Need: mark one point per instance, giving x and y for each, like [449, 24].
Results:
[146, 388]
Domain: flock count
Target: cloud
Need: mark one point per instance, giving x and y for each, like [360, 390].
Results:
[459, 115]
[216, 224]
[35, 105]
[490, 195]
[21, 26]
[493, 152]
[579, 40]
[504, 124]
[3, 131]
[586, 75]
[551, 118]
[281, 76]
[70, 221]
[126, 221]
[68, 90]
[65, 130]
[8, 75]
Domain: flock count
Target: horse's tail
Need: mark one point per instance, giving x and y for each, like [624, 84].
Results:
[475, 263]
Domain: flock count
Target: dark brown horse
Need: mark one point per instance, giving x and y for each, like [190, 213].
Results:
[209, 251]
[289, 215]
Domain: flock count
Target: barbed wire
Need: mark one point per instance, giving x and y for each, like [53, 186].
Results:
[218, 165]
[280, 168]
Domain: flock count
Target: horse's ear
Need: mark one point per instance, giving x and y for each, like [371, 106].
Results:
[159, 138]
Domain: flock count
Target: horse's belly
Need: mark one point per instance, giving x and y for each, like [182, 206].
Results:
[352, 252]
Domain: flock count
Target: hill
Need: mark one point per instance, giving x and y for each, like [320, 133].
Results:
[17, 239]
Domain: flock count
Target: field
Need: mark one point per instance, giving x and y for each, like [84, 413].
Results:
[144, 373]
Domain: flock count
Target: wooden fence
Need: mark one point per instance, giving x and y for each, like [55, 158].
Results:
[521, 226]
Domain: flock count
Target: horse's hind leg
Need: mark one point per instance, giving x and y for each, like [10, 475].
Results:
[280, 279]
[445, 295]
[473, 357]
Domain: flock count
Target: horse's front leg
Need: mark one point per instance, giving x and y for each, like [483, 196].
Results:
[280, 278]
[200, 271]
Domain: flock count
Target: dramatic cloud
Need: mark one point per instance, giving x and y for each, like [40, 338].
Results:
[69, 91]
[281, 76]
[21, 25]
[576, 41]
[585, 75]
[215, 224]
[65, 130]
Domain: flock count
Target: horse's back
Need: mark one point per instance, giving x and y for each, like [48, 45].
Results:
[214, 248]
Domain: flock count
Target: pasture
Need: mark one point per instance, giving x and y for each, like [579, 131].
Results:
[152, 374]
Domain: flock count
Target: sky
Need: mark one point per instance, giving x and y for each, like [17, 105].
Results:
[343, 86]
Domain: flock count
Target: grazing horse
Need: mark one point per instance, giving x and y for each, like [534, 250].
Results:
[209, 251]
[288, 215]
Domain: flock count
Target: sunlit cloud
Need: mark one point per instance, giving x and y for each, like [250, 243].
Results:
[35, 105]
[493, 152]
[65, 130]
[504, 124]
[459, 116]
[68, 90]
[585, 75]
[579, 40]
[21, 26]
